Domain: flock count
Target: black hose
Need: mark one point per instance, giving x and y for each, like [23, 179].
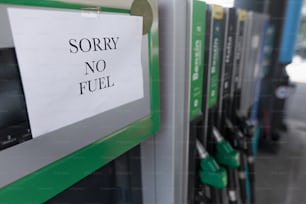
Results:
[232, 186]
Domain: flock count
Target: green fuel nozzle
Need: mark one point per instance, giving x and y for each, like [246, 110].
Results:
[211, 173]
[225, 154]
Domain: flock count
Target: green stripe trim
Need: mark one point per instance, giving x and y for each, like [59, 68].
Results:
[197, 57]
[215, 62]
[50, 180]
[61, 5]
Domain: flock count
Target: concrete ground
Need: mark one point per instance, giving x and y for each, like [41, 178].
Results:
[281, 176]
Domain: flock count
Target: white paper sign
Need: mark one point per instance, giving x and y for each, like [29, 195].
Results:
[75, 67]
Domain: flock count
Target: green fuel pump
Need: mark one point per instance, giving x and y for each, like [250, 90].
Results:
[230, 159]
[225, 154]
[211, 173]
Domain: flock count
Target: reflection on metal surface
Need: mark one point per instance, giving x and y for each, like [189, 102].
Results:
[144, 9]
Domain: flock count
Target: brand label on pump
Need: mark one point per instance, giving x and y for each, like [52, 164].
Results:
[215, 60]
[197, 58]
[75, 67]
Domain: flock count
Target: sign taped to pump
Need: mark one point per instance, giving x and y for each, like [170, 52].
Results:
[75, 67]
[84, 84]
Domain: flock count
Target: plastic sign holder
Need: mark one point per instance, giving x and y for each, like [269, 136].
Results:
[36, 185]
